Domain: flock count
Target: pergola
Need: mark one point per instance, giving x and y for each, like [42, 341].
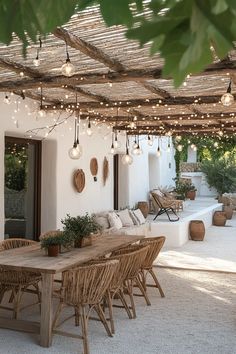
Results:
[118, 82]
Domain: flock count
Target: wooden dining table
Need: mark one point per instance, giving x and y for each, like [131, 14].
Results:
[33, 259]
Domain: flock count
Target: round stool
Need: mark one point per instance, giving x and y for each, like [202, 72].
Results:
[196, 230]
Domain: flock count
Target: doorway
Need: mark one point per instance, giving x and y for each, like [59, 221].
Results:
[22, 188]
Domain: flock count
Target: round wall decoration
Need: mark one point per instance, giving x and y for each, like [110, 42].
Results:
[94, 166]
[79, 180]
[105, 170]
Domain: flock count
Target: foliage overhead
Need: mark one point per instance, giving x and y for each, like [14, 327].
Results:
[188, 34]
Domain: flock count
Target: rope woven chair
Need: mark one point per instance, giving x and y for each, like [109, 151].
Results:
[165, 205]
[83, 287]
[116, 288]
[17, 282]
[138, 254]
[155, 246]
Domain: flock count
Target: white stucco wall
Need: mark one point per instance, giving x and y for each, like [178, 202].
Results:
[58, 194]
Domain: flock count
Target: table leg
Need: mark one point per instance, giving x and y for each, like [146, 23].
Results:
[46, 310]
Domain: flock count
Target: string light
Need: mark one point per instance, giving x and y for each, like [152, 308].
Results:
[227, 98]
[76, 151]
[68, 69]
[89, 129]
[7, 99]
[158, 149]
[150, 140]
[36, 61]
[127, 159]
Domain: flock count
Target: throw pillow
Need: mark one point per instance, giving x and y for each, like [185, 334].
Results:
[134, 218]
[114, 220]
[102, 221]
[125, 218]
[139, 216]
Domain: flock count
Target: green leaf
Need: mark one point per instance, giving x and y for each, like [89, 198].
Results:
[220, 6]
[116, 12]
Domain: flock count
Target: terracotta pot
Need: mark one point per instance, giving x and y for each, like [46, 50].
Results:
[197, 230]
[53, 250]
[191, 195]
[83, 242]
[219, 218]
[143, 206]
[228, 212]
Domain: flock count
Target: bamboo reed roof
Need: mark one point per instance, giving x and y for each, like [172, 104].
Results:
[113, 72]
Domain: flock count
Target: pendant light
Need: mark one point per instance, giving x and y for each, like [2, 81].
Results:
[150, 140]
[116, 142]
[180, 147]
[135, 145]
[68, 69]
[89, 129]
[227, 98]
[168, 147]
[36, 61]
[158, 149]
[76, 151]
[138, 150]
[7, 99]
[41, 111]
[112, 150]
[127, 159]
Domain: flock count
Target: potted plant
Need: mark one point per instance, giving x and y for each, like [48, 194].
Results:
[180, 189]
[191, 191]
[81, 228]
[53, 240]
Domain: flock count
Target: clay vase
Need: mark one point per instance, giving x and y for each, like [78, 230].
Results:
[228, 212]
[191, 195]
[219, 218]
[53, 250]
[143, 206]
[197, 230]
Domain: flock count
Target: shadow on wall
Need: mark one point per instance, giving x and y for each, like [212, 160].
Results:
[49, 186]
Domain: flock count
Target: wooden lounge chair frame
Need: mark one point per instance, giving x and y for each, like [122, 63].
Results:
[164, 207]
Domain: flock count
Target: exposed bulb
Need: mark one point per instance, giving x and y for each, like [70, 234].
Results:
[36, 61]
[89, 131]
[127, 159]
[192, 146]
[178, 138]
[168, 148]
[227, 99]
[112, 150]
[150, 141]
[216, 144]
[7, 100]
[139, 151]
[74, 152]
[180, 147]
[158, 152]
[195, 148]
[135, 145]
[116, 144]
[68, 69]
[42, 113]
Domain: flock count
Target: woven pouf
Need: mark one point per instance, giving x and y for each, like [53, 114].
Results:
[143, 206]
[197, 230]
[228, 212]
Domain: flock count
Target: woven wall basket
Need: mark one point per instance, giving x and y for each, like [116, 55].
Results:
[105, 170]
[79, 180]
[94, 166]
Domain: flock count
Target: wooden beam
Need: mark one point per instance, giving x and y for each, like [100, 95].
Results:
[138, 103]
[19, 68]
[89, 49]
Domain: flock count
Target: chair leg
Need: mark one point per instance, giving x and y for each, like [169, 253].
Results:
[57, 314]
[77, 316]
[156, 282]
[16, 302]
[102, 317]
[84, 328]
[110, 309]
[144, 293]
[131, 296]
[124, 303]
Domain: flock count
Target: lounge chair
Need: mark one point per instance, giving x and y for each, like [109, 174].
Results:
[165, 205]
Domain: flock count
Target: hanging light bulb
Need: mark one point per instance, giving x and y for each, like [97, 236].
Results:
[178, 137]
[150, 141]
[127, 159]
[68, 69]
[180, 147]
[89, 129]
[7, 99]
[192, 146]
[116, 142]
[168, 147]
[158, 149]
[112, 150]
[227, 98]
[76, 151]
[216, 144]
[36, 61]
[41, 111]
